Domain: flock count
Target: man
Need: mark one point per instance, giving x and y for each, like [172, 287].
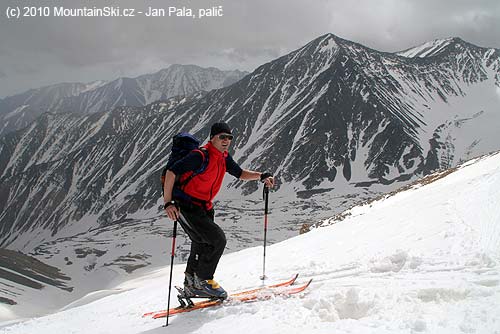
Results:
[191, 205]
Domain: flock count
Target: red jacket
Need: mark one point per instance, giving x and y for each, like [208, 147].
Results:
[206, 185]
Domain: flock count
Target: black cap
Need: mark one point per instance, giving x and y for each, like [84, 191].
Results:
[220, 127]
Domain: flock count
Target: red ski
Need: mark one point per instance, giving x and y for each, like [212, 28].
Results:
[261, 293]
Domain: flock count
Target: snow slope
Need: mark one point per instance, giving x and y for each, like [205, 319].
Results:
[425, 260]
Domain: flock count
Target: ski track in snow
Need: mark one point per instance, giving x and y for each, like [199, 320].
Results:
[422, 261]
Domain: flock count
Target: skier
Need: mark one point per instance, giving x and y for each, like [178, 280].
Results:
[191, 205]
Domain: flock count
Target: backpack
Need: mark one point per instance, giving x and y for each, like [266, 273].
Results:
[182, 144]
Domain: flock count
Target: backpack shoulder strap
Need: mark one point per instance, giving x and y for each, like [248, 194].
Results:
[204, 155]
[203, 151]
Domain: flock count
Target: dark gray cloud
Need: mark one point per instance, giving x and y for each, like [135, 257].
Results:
[45, 50]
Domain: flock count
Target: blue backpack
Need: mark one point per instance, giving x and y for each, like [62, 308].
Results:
[182, 144]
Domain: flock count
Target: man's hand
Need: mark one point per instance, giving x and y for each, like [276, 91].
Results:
[269, 182]
[267, 179]
[172, 210]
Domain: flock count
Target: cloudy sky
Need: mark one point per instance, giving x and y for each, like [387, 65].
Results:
[38, 51]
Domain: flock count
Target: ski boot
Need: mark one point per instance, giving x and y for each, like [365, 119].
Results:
[209, 288]
[194, 287]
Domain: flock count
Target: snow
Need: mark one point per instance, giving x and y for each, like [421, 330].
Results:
[329, 45]
[15, 112]
[92, 86]
[425, 260]
[454, 118]
[427, 49]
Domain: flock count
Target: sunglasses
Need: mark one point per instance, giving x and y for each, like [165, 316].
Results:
[222, 137]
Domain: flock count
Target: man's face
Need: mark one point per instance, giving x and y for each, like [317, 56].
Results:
[222, 141]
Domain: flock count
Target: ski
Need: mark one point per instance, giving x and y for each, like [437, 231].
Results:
[257, 294]
[261, 294]
[207, 303]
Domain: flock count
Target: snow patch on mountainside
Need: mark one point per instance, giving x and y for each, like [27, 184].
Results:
[15, 111]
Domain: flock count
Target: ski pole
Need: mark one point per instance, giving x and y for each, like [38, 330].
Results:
[266, 209]
[174, 235]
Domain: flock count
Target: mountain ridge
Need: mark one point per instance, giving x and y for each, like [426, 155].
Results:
[20, 110]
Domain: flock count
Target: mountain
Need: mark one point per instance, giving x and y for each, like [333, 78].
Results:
[173, 81]
[336, 122]
[424, 260]
[18, 111]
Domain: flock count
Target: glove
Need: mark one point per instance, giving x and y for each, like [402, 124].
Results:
[166, 205]
[264, 176]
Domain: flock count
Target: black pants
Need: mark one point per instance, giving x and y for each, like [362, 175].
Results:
[207, 240]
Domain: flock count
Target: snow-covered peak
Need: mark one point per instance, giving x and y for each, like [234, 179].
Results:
[429, 49]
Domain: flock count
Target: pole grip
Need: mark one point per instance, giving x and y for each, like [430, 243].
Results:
[266, 199]
[174, 236]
